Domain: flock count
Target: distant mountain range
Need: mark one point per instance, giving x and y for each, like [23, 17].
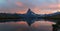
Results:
[29, 14]
[53, 15]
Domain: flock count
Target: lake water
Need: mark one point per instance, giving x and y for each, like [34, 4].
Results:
[40, 25]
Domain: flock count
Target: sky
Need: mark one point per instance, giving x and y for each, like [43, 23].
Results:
[37, 6]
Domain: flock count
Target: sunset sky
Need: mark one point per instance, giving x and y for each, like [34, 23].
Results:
[37, 6]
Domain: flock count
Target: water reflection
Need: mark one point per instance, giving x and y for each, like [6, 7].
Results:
[36, 25]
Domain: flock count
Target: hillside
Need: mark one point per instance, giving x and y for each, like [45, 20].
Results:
[54, 15]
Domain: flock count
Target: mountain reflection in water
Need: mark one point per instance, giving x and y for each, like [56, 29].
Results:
[38, 25]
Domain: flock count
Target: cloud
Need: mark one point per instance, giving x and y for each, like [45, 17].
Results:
[12, 6]
[19, 4]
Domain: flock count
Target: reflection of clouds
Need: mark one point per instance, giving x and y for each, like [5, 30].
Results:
[14, 26]
[42, 26]
[44, 23]
[23, 26]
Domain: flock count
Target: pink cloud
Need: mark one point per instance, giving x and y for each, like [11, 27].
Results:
[54, 6]
[58, 5]
[19, 3]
